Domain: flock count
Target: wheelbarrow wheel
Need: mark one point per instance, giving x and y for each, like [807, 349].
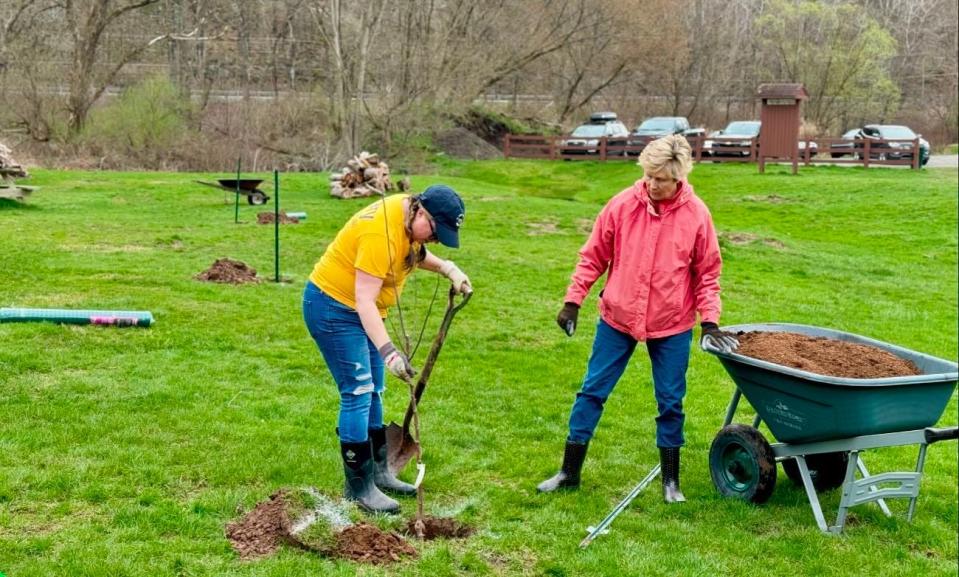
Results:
[256, 198]
[742, 464]
[827, 470]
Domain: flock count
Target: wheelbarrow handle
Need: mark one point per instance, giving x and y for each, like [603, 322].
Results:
[451, 309]
[936, 435]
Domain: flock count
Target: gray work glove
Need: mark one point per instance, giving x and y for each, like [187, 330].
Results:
[459, 280]
[717, 340]
[396, 362]
[566, 319]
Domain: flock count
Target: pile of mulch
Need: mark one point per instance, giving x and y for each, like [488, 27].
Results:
[439, 528]
[268, 525]
[368, 544]
[226, 270]
[824, 356]
[270, 218]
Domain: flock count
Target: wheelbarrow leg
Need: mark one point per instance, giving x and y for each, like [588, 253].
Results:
[811, 493]
[731, 410]
[848, 489]
[919, 466]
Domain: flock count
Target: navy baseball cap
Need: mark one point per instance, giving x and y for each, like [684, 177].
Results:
[447, 209]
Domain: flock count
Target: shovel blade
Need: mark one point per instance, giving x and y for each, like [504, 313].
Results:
[400, 448]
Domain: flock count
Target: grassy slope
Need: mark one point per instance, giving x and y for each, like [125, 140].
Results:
[125, 452]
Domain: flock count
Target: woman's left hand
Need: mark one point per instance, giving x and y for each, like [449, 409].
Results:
[459, 280]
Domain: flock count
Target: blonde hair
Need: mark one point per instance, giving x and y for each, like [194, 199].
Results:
[670, 153]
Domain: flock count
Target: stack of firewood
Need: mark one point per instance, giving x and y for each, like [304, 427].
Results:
[10, 168]
[364, 175]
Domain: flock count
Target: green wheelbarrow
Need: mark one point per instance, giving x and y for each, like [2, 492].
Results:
[823, 424]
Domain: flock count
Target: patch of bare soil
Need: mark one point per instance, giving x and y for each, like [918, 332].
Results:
[743, 238]
[584, 225]
[543, 227]
[461, 143]
[770, 198]
[226, 270]
[824, 356]
[269, 218]
[438, 528]
[368, 544]
[261, 530]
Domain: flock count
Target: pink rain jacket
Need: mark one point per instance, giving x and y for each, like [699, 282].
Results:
[662, 268]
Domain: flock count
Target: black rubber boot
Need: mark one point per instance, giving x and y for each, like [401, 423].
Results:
[568, 476]
[358, 466]
[381, 470]
[669, 464]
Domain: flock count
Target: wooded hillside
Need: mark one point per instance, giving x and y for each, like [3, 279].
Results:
[315, 81]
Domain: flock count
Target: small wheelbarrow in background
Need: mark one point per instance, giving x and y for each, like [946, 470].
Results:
[823, 424]
[248, 187]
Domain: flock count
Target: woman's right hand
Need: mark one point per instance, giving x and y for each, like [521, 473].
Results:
[397, 362]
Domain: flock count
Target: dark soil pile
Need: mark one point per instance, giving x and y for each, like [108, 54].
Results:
[261, 530]
[368, 544]
[437, 528]
[269, 218]
[824, 356]
[225, 270]
[461, 143]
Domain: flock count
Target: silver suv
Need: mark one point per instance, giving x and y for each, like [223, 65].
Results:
[586, 138]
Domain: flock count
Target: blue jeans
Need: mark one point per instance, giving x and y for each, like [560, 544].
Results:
[352, 359]
[611, 353]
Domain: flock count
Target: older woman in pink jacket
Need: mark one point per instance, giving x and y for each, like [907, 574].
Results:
[656, 243]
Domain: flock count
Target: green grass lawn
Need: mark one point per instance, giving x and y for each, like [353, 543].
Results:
[126, 451]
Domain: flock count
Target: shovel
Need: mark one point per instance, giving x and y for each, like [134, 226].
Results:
[400, 445]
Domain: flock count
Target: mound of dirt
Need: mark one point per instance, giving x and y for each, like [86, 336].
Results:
[824, 356]
[461, 143]
[269, 218]
[368, 544]
[438, 528]
[261, 530]
[322, 527]
[226, 270]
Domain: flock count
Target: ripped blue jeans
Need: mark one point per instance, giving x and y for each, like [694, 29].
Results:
[352, 359]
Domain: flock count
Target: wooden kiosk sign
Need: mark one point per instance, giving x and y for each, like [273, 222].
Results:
[780, 116]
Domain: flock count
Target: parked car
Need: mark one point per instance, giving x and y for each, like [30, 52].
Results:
[738, 135]
[659, 126]
[847, 146]
[586, 138]
[880, 150]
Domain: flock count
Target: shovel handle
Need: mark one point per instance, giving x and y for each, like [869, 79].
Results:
[451, 309]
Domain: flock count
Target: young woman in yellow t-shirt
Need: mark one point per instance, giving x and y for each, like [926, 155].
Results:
[358, 278]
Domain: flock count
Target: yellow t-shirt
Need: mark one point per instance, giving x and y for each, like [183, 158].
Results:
[364, 244]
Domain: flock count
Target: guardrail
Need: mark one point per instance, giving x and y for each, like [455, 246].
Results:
[867, 152]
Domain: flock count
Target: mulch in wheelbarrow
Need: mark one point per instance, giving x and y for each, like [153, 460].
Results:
[824, 356]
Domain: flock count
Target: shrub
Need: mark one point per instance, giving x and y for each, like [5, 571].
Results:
[148, 117]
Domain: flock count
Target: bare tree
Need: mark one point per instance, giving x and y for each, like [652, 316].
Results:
[87, 21]
[349, 30]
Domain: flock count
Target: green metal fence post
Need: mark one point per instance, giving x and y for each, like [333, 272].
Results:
[236, 203]
[276, 223]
